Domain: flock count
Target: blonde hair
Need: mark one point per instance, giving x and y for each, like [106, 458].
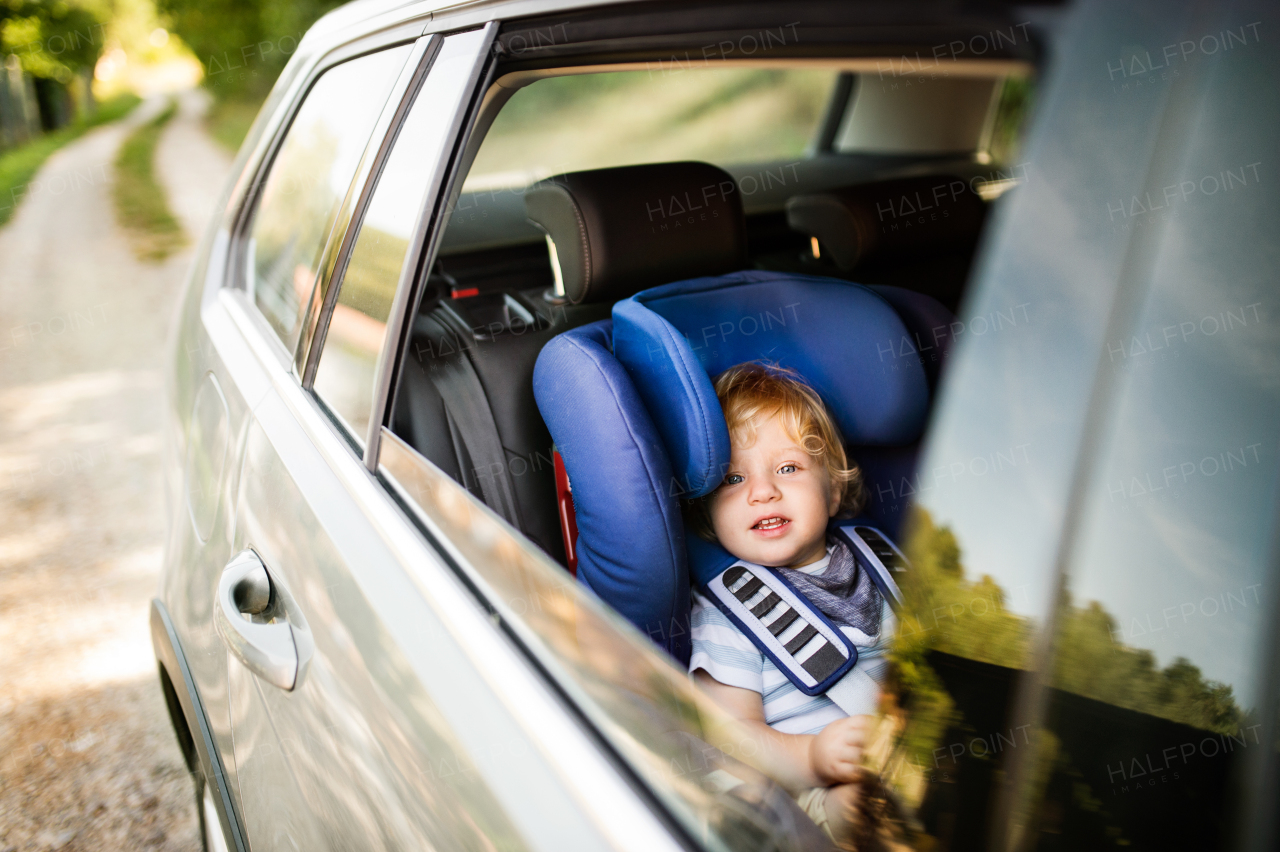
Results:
[758, 389]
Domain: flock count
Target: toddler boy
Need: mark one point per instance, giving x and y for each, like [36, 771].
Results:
[788, 476]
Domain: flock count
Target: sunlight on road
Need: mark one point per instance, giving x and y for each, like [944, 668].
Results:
[87, 755]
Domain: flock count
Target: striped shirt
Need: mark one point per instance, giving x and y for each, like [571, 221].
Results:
[727, 655]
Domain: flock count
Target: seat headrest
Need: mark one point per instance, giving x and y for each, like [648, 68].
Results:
[617, 231]
[839, 335]
[859, 224]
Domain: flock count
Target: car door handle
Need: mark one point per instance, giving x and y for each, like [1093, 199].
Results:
[251, 613]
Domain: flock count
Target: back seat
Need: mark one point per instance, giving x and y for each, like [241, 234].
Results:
[918, 233]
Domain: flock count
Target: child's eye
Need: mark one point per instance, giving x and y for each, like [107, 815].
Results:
[734, 479]
[788, 468]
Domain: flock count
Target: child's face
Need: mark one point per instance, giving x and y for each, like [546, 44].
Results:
[776, 499]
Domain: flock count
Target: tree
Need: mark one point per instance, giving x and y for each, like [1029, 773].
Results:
[242, 44]
[52, 40]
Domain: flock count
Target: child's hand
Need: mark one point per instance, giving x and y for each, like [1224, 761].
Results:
[835, 754]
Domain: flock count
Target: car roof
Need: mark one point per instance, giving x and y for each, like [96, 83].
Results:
[884, 24]
[366, 16]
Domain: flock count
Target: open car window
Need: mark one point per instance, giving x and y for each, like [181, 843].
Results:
[465, 430]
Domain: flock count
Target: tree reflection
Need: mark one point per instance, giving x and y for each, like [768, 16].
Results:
[958, 655]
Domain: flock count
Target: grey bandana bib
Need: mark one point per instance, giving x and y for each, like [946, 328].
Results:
[843, 593]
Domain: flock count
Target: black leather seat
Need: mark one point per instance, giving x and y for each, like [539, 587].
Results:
[918, 233]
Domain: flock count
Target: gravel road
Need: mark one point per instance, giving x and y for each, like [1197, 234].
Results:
[87, 758]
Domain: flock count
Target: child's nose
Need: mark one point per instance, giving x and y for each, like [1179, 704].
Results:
[763, 489]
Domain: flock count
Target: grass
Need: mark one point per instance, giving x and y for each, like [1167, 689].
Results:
[140, 200]
[230, 117]
[19, 165]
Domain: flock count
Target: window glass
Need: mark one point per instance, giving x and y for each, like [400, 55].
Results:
[947, 115]
[1150, 254]
[345, 376]
[1159, 703]
[308, 180]
[594, 121]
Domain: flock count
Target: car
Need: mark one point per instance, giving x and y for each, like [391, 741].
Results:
[426, 582]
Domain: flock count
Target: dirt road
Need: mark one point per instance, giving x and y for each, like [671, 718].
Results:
[87, 758]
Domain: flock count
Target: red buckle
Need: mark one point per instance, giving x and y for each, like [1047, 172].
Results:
[568, 516]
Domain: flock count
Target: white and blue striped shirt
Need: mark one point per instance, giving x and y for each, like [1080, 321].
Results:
[727, 655]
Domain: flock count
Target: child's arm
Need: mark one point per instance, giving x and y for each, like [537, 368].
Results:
[798, 761]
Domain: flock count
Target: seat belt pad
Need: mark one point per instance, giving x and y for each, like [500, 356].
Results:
[878, 556]
[802, 642]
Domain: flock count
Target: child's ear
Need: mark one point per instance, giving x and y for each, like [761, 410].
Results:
[837, 497]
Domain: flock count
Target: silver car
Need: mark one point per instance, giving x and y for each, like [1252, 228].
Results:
[368, 628]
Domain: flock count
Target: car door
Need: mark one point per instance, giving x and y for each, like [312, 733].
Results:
[374, 704]
[332, 727]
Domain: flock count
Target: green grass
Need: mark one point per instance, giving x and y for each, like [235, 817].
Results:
[140, 201]
[230, 117]
[19, 165]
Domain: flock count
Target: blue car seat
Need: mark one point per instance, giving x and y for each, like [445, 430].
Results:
[629, 400]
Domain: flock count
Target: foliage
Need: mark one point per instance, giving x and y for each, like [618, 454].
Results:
[230, 118]
[19, 166]
[242, 44]
[53, 40]
[140, 200]
[721, 115]
[1012, 113]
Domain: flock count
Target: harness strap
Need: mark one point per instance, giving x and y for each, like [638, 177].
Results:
[813, 653]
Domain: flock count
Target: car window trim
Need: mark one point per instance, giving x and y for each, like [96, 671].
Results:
[424, 241]
[337, 250]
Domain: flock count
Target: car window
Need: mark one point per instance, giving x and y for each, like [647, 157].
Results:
[308, 180]
[1109, 415]
[946, 115]
[594, 121]
[345, 376]
[1164, 637]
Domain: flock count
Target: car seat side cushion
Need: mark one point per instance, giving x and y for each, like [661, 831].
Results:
[671, 380]
[630, 535]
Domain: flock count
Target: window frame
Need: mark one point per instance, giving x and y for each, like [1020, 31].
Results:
[424, 240]
[262, 160]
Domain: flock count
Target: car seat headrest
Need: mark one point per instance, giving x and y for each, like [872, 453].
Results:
[839, 335]
[617, 231]
[859, 224]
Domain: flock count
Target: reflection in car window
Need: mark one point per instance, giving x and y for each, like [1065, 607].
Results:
[308, 180]
[593, 121]
[1153, 691]
[1162, 639]
[357, 330]
[688, 752]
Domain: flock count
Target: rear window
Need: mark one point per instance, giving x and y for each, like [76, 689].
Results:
[668, 113]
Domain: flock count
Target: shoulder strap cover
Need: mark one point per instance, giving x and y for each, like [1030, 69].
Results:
[877, 555]
[802, 642]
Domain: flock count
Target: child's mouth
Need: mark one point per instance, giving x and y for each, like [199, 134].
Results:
[770, 524]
